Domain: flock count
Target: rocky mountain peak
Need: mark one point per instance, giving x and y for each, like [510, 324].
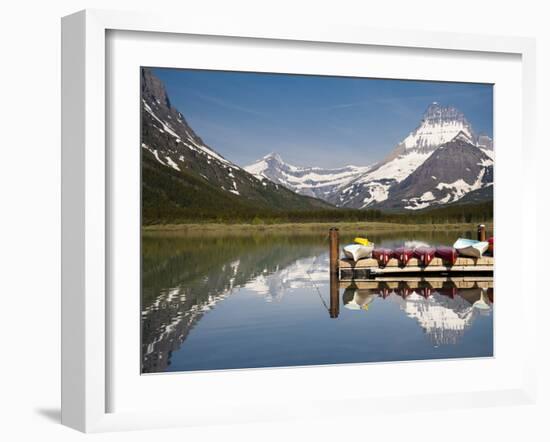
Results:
[437, 114]
[273, 156]
[439, 125]
[153, 90]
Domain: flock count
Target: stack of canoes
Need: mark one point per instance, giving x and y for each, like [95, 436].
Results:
[425, 255]
[363, 248]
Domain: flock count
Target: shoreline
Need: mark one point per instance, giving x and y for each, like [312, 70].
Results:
[346, 228]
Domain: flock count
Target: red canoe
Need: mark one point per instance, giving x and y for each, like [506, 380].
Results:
[426, 292]
[424, 254]
[451, 292]
[491, 242]
[447, 254]
[403, 254]
[404, 292]
[385, 291]
[382, 255]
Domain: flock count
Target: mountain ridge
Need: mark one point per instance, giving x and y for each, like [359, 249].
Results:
[181, 172]
[370, 186]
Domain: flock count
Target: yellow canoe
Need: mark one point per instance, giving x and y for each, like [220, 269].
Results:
[362, 241]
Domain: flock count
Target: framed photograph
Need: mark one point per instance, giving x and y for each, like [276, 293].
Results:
[258, 211]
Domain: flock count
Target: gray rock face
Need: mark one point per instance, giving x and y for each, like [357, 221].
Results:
[451, 172]
[485, 141]
[438, 115]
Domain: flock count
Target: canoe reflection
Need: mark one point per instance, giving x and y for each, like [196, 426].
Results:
[358, 299]
[443, 309]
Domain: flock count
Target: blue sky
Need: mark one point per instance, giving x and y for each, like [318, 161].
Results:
[313, 120]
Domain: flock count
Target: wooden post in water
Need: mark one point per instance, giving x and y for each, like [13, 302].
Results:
[334, 260]
[334, 250]
[334, 309]
[481, 234]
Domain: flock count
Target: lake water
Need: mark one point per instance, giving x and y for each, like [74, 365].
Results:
[263, 300]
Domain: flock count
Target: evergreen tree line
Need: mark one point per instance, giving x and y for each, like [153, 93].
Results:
[457, 213]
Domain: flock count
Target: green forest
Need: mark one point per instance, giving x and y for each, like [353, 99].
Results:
[467, 213]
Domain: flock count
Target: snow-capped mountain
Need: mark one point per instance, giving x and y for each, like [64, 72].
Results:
[310, 181]
[439, 125]
[447, 175]
[382, 184]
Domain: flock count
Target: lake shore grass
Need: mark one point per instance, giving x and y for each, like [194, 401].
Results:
[346, 228]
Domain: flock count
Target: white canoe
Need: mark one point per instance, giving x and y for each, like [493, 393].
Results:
[358, 251]
[483, 302]
[471, 247]
[361, 300]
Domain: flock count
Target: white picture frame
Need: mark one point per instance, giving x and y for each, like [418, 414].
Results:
[87, 214]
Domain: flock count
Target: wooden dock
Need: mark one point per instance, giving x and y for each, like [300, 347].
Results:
[370, 268]
[468, 277]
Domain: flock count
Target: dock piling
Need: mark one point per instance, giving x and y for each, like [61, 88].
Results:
[334, 268]
[334, 309]
[334, 250]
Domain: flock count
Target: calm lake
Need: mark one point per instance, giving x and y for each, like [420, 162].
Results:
[262, 300]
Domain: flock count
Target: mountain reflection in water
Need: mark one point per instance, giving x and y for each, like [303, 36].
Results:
[444, 314]
[264, 301]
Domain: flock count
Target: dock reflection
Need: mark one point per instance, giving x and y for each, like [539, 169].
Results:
[444, 308]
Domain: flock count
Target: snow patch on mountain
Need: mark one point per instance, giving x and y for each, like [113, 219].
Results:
[420, 203]
[165, 126]
[489, 152]
[172, 164]
[376, 192]
[460, 187]
[397, 169]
